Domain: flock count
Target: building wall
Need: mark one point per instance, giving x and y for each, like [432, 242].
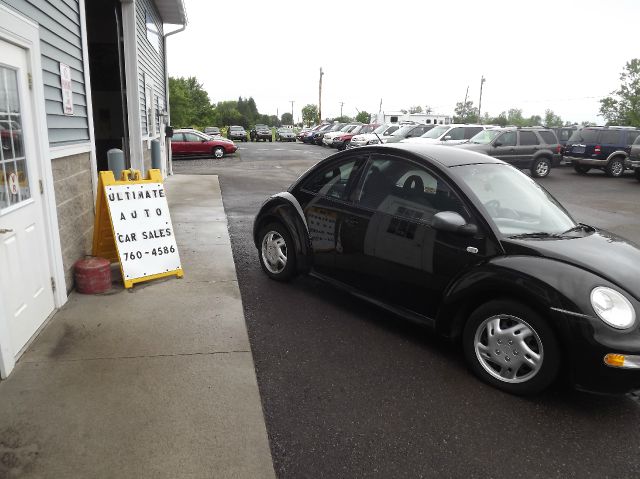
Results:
[60, 41]
[151, 64]
[74, 202]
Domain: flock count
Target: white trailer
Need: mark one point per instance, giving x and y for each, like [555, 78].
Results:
[400, 117]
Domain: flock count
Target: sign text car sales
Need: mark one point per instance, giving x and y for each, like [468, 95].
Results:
[142, 229]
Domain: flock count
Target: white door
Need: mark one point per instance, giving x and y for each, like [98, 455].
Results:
[26, 295]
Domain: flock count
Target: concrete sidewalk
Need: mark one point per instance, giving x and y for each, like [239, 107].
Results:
[157, 383]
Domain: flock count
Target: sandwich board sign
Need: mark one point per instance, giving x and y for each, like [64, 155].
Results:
[133, 227]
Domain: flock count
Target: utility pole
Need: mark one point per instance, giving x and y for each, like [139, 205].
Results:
[464, 105]
[292, 119]
[320, 97]
[341, 103]
[482, 80]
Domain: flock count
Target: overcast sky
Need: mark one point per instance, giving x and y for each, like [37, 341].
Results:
[563, 55]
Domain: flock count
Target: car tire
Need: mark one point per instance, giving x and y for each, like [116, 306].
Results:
[636, 173]
[503, 335]
[277, 252]
[615, 167]
[582, 169]
[270, 140]
[541, 167]
[218, 152]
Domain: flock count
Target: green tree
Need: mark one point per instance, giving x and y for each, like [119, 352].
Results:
[287, 119]
[190, 103]
[465, 112]
[309, 114]
[551, 119]
[363, 117]
[415, 109]
[343, 119]
[623, 106]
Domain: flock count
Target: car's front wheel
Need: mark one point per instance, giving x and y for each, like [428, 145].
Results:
[615, 167]
[218, 152]
[511, 347]
[277, 252]
[541, 168]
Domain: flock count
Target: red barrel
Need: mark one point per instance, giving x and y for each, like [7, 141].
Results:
[93, 275]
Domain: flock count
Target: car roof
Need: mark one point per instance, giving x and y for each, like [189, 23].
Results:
[447, 156]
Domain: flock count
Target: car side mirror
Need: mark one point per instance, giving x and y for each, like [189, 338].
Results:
[453, 222]
[497, 143]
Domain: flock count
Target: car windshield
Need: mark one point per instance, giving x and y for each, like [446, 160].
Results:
[347, 128]
[366, 129]
[516, 203]
[381, 129]
[236, 128]
[484, 137]
[435, 132]
[337, 127]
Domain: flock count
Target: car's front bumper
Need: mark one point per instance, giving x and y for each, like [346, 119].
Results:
[590, 340]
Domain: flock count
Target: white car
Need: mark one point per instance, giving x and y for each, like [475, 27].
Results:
[327, 139]
[449, 134]
[373, 138]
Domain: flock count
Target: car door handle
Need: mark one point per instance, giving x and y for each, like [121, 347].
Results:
[5, 230]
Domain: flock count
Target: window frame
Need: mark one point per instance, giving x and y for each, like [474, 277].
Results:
[360, 160]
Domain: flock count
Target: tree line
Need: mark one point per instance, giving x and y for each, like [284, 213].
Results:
[191, 107]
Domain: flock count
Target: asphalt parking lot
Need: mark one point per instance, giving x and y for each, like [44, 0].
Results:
[349, 391]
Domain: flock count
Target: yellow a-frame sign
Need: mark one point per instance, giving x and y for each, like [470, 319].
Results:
[133, 227]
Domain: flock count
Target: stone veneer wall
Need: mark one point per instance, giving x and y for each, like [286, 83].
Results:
[74, 201]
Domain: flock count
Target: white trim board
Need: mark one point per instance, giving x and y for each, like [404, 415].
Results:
[69, 150]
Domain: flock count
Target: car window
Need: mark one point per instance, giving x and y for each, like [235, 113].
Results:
[631, 136]
[585, 135]
[191, 137]
[178, 137]
[548, 137]
[528, 138]
[508, 138]
[471, 131]
[610, 137]
[637, 142]
[404, 189]
[332, 181]
[564, 134]
[455, 134]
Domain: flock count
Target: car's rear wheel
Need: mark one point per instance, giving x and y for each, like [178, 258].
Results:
[511, 347]
[581, 169]
[615, 167]
[541, 167]
[218, 152]
[277, 252]
[636, 173]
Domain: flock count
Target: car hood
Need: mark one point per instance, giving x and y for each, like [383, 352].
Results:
[474, 147]
[602, 252]
[333, 134]
[431, 141]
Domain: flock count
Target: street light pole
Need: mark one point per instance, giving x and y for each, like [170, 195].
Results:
[482, 80]
[320, 97]
[341, 103]
[293, 121]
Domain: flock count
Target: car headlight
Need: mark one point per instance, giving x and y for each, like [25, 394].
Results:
[612, 307]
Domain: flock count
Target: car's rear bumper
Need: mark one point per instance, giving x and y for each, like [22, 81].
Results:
[578, 160]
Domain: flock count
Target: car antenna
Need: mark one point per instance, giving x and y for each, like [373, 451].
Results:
[379, 139]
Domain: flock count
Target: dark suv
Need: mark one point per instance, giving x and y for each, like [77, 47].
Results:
[603, 147]
[634, 158]
[261, 132]
[536, 149]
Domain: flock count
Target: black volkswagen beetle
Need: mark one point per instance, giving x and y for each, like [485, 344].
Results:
[472, 247]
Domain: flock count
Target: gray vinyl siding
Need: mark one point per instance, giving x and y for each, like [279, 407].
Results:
[151, 63]
[60, 42]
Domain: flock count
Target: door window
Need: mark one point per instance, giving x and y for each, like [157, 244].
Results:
[507, 139]
[631, 138]
[404, 189]
[14, 181]
[332, 181]
[177, 137]
[548, 137]
[455, 134]
[471, 131]
[192, 137]
[528, 138]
